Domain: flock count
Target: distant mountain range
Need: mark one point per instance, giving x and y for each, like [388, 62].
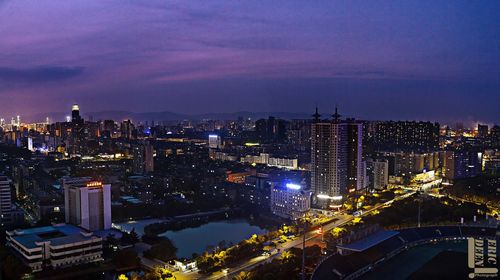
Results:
[164, 116]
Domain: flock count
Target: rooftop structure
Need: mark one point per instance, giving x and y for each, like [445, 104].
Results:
[55, 246]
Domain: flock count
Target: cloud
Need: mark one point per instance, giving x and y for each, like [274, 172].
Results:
[39, 74]
[250, 43]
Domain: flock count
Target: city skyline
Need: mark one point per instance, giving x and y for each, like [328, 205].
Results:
[191, 140]
[411, 57]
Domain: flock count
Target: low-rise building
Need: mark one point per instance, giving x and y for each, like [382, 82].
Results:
[55, 246]
[290, 201]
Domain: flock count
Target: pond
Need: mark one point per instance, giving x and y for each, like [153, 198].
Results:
[196, 240]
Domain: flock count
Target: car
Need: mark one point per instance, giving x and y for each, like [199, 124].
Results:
[357, 213]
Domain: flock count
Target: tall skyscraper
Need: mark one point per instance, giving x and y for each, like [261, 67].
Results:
[76, 143]
[87, 203]
[336, 158]
[5, 201]
[75, 114]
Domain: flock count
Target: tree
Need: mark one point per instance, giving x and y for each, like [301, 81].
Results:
[244, 275]
[222, 245]
[159, 273]
[165, 251]
[130, 238]
[111, 239]
[13, 268]
[126, 259]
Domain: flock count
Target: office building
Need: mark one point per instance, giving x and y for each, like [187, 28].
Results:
[214, 141]
[76, 138]
[290, 201]
[87, 203]
[5, 201]
[75, 115]
[55, 246]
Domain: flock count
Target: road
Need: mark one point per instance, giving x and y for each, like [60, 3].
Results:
[342, 220]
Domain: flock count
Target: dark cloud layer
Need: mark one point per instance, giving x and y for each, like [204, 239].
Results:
[39, 74]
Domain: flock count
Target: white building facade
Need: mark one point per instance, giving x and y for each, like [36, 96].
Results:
[55, 246]
[290, 201]
[88, 203]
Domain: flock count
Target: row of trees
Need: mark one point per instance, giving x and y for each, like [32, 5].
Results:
[287, 266]
[213, 261]
[10, 266]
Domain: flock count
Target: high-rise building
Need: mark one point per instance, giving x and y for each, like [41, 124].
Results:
[355, 172]
[76, 138]
[143, 158]
[495, 136]
[127, 128]
[87, 203]
[328, 158]
[336, 158]
[406, 136]
[299, 133]
[482, 131]
[148, 157]
[461, 164]
[271, 130]
[5, 201]
[378, 173]
[75, 114]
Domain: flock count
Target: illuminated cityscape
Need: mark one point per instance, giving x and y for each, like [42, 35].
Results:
[316, 140]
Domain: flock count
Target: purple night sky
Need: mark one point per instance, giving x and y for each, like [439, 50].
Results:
[435, 60]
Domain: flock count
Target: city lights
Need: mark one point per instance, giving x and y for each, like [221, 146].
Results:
[324, 196]
[293, 186]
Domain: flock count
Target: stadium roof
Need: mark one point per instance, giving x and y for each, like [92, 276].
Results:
[368, 242]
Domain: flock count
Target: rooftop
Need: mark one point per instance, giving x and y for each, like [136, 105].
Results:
[57, 235]
[370, 241]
